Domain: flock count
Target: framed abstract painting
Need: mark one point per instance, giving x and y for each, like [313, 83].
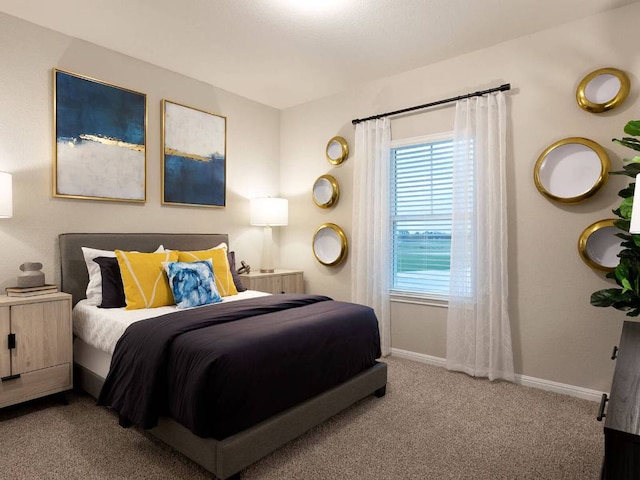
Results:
[100, 140]
[194, 156]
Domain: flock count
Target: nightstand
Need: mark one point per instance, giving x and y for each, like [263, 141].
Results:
[280, 281]
[36, 350]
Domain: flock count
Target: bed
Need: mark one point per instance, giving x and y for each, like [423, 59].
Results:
[224, 452]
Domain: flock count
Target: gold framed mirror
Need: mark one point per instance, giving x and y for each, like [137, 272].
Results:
[329, 244]
[337, 150]
[326, 191]
[599, 246]
[603, 90]
[571, 170]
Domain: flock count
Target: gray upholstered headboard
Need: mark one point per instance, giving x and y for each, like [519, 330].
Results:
[74, 274]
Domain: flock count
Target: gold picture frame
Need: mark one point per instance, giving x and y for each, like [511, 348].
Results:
[594, 93]
[329, 245]
[99, 140]
[337, 150]
[555, 171]
[596, 245]
[325, 191]
[194, 156]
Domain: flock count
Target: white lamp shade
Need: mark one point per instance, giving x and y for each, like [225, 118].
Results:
[268, 211]
[6, 195]
[634, 228]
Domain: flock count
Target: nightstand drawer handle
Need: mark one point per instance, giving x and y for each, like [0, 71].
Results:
[614, 354]
[9, 377]
[603, 403]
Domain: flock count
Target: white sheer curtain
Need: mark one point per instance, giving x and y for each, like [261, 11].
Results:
[478, 329]
[370, 237]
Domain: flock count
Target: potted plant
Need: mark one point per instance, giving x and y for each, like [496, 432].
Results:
[627, 273]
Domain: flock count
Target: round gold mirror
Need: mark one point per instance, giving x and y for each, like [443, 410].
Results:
[337, 150]
[571, 170]
[599, 246]
[325, 191]
[603, 90]
[329, 244]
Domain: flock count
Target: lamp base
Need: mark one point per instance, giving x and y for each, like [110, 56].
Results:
[267, 251]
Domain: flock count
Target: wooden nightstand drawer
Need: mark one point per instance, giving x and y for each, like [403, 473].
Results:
[35, 384]
[37, 331]
[280, 281]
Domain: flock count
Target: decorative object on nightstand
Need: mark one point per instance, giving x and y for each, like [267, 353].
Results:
[31, 275]
[325, 191]
[6, 195]
[31, 291]
[337, 150]
[269, 212]
[603, 90]
[279, 281]
[245, 267]
[39, 359]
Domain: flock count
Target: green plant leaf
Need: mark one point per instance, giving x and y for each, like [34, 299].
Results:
[622, 224]
[633, 128]
[631, 168]
[622, 272]
[606, 297]
[627, 272]
[628, 191]
[625, 208]
[629, 142]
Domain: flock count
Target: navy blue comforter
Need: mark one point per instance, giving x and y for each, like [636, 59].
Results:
[222, 368]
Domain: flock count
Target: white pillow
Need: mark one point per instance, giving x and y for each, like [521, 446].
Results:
[94, 287]
[220, 245]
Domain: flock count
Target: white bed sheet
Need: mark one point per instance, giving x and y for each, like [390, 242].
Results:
[102, 327]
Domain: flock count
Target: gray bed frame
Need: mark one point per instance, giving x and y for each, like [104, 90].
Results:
[224, 458]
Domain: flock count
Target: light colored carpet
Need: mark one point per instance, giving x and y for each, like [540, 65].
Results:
[432, 424]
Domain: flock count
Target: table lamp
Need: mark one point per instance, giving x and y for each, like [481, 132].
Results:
[269, 212]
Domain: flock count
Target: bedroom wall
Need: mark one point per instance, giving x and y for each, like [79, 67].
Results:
[28, 54]
[557, 335]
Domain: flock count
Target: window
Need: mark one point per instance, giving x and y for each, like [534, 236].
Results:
[420, 214]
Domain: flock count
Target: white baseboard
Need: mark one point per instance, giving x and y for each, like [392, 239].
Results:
[563, 388]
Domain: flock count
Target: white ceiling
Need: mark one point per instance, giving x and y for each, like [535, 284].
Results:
[287, 52]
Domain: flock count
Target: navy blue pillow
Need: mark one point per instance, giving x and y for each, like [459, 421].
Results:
[112, 287]
[231, 256]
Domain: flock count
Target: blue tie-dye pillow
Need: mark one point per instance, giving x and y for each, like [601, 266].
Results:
[192, 283]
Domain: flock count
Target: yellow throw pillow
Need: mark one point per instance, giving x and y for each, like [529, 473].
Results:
[145, 282]
[221, 270]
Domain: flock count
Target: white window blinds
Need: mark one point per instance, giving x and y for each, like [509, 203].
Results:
[421, 195]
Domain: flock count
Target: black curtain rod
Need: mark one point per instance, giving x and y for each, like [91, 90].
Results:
[501, 88]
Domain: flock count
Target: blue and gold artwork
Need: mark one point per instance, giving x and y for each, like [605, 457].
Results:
[100, 135]
[194, 156]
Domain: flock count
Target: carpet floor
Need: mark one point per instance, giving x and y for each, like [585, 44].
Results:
[432, 424]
